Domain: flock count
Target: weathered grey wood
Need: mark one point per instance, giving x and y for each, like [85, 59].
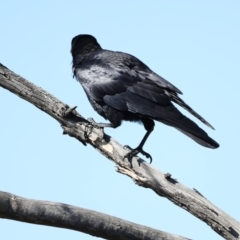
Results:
[75, 218]
[140, 171]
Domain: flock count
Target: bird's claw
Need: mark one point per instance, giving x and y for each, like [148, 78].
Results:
[134, 152]
[91, 120]
[93, 123]
[147, 155]
[127, 147]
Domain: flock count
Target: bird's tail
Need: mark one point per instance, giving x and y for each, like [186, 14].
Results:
[180, 102]
[190, 128]
[206, 141]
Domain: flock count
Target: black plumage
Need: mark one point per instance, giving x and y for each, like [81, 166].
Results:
[121, 87]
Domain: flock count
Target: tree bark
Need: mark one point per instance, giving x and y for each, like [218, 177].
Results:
[75, 218]
[140, 171]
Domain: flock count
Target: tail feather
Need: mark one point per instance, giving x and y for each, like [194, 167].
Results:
[191, 129]
[180, 102]
[207, 142]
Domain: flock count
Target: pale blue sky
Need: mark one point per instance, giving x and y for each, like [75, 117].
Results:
[193, 44]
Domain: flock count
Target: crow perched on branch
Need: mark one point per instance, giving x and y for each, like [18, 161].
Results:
[121, 87]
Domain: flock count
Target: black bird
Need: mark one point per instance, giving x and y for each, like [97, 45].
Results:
[121, 87]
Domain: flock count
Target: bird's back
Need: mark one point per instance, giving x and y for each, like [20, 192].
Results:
[119, 85]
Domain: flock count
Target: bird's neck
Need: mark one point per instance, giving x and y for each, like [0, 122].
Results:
[82, 54]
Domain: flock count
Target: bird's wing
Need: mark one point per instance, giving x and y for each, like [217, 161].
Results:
[158, 80]
[143, 70]
[172, 91]
[124, 89]
[128, 90]
[132, 86]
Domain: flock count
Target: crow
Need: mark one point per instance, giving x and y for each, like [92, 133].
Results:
[121, 87]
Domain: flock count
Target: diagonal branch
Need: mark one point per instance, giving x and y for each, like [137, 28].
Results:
[75, 218]
[141, 172]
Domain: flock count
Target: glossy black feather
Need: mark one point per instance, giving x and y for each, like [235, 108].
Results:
[121, 87]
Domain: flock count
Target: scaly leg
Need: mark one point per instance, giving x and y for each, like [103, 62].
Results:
[149, 126]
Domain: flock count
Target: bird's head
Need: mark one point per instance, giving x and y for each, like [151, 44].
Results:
[84, 44]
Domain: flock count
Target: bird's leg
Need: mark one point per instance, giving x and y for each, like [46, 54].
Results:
[138, 149]
[149, 126]
[99, 125]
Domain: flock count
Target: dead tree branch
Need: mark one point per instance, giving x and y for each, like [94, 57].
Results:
[141, 172]
[75, 218]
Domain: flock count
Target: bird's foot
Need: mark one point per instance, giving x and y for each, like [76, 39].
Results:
[135, 151]
[99, 125]
[91, 121]
[94, 124]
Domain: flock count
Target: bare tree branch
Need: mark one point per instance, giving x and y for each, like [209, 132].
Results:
[141, 172]
[75, 218]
